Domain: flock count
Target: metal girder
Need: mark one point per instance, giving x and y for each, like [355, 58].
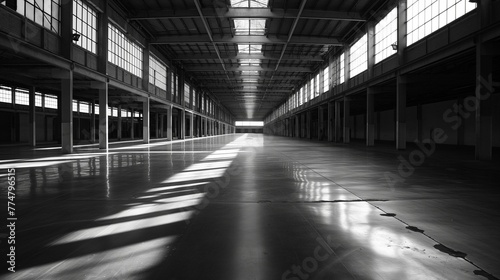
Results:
[248, 13]
[241, 85]
[245, 39]
[214, 76]
[249, 56]
[204, 68]
[229, 90]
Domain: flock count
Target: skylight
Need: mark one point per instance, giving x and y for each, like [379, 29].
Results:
[250, 72]
[249, 49]
[250, 62]
[249, 3]
[250, 26]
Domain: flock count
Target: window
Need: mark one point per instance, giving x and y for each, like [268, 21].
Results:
[359, 59]
[96, 109]
[386, 34]
[249, 26]
[342, 68]
[157, 73]
[124, 53]
[84, 107]
[173, 86]
[249, 3]
[249, 49]
[187, 98]
[22, 97]
[250, 62]
[195, 95]
[248, 123]
[316, 85]
[38, 99]
[427, 16]
[326, 79]
[50, 101]
[43, 12]
[85, 24]
[5, 94]
[75, 106]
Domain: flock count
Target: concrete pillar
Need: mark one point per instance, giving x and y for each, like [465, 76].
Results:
[32, 116]
[162, 127]
[321, 131]
[370, 117]
[103, 116]
[119, 125]
[347, 114]
[308, 125]
[157, 125]
[420, 126]
[330, 123]
[191, 125]
[145, 121]
[169, 123]
[92, 121]
[183, 124]
[401, 112]
[132, 123]
[338, 122]
[484, 86]
[67, 112]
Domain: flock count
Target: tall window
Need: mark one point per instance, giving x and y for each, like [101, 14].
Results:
[85, 24]
[326, 79]
[22, 97]
[427, 16]
[157, 73]
[342, 68]
[316, 85]
[44, 12]
[50, 101]
[124, 53]
[187, 97]
[173, 86]
[5, 94]
[359, 58]
[386, 34]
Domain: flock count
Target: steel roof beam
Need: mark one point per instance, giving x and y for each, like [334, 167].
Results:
[240, 13]
[249, 56]
[244, 39]
[210, 68]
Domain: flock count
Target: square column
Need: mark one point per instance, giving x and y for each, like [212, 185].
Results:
[347, 115]
[132, 123]
[103, 116]
[92, 121]
[330, 123]
[119, 126]
[32, 117]
[183, 125]
[67, 112]
[338, 122]
[321, 131]
[169, 123]
[370, 117]
[191, 125]
[145, 121]
[401, 113]
[162, 125]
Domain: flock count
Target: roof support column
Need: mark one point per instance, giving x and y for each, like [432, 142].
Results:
[132, 123]
[92, 121]
[67, 112]
[32, 116]
[338, 122]
[169, 123]
[330, 125]
[119, 124]
[370, 117]
[347, 120]
[401, 112]
[484, 88]
[146, 121]
[103, 116]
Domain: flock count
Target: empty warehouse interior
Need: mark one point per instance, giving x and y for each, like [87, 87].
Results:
[250, 139]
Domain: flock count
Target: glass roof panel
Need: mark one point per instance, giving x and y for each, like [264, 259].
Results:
[249, 3]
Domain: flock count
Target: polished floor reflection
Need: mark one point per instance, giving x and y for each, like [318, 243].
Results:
[248, 206]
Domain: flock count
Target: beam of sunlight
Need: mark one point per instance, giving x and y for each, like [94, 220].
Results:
[117, 228]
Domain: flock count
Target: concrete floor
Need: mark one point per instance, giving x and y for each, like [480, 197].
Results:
[248, 206]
